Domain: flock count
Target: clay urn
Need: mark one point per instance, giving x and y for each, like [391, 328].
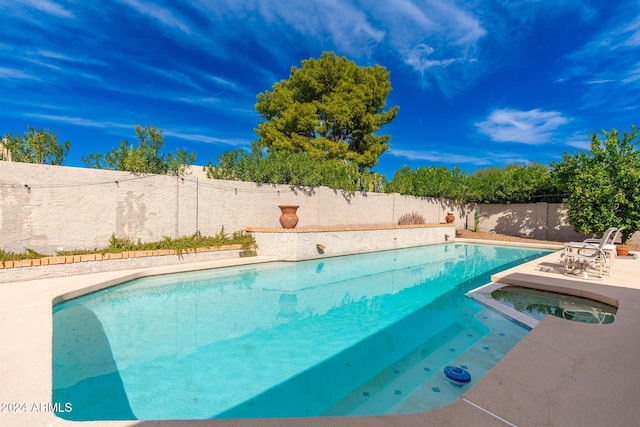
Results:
[450, 218]
[288, 218]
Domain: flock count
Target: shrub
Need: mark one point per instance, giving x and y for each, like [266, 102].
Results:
[12, 256]
[603, 183]
[411, 218]
[35, 146]
[297, 169]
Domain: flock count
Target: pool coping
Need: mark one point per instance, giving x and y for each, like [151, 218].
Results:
[483, 296]
[561, 373]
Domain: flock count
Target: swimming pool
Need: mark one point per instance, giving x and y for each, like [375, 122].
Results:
[355, 335]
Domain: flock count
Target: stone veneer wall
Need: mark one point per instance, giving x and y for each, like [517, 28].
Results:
[313, 243]
[61, 266]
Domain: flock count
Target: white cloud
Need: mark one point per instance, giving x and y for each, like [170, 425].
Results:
[611, 57]
[49, 7]
[179, 78]
[440, 157]
[209, 139]
[79, 121]
[418, 58]
[526, 127]
[11, 73]
[74, 58]
[160, 14]
[579, 140]
[633, 32]
[436, 38]
[599, 82]
[429, 36]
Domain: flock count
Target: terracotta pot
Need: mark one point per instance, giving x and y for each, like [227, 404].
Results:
[450, 218]
[288, 219]
[622, 250]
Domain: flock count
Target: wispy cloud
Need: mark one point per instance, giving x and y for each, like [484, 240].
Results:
[419, 58]
[599, 82]
[436, 38]
[507, 158]
[526, 127]
[608, 64]
[227, 84]
[10, 73]
[90, 123]
[73, 58]
[209, 139]
[579, 140]
[40, 69]
[80, 121]
[163, 15]
[46, 6]
[438, 157]
[176, 77]
[282, 30]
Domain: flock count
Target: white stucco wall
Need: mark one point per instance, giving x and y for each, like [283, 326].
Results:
[45, 207]
[547, 221]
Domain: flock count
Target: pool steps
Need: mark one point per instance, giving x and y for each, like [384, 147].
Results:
[406, 375]
[415, 389]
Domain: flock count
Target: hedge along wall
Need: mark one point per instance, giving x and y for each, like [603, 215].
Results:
[46, 207]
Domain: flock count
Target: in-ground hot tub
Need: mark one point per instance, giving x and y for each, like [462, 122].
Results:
[529, 306]
[538, 304]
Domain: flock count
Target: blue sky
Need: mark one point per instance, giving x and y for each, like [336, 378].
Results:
[479, 83]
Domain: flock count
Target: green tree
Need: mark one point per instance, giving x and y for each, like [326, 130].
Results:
[35, 146]
[603, 184]
[145, 158]
[294, 168]
[329, 108]
[431, 181]
[514, 183]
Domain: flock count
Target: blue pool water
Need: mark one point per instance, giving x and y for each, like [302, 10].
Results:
[355, 335]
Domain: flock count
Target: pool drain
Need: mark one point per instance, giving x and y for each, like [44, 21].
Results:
[457, 376]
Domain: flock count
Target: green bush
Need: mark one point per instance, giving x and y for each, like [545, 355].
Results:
[431, 181]
[509, 184]
[514, 184]
[297, 169]
[35, 146]
[603, 184]
[12, 256]
[145, 158]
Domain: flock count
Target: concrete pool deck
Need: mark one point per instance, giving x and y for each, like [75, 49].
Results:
[561, 373]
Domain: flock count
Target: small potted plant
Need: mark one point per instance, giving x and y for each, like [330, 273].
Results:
[622, 249]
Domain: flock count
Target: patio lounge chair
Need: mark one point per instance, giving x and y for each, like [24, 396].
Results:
[591, 254]
[606, 236]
